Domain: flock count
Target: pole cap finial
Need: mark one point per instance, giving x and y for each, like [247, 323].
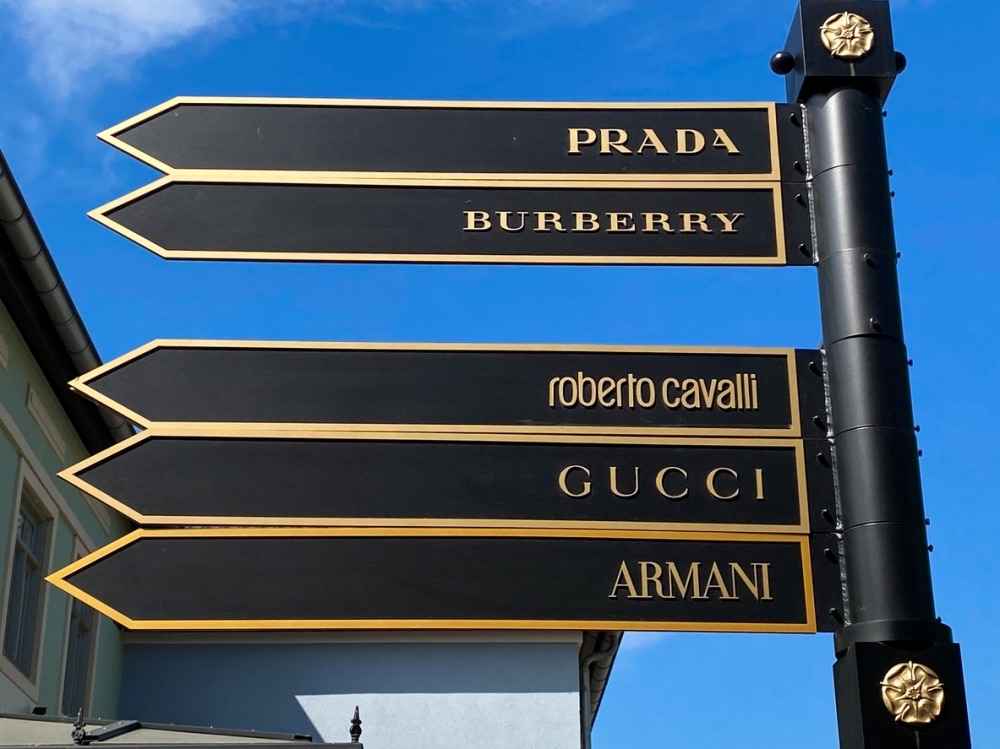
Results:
[833, 43]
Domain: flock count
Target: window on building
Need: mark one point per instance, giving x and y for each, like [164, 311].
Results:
[79, 647]
[24, 597]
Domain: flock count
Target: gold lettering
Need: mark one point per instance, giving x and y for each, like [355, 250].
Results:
[690, 141]
[620, 222]
[759, 476]
[647, 578]
[765, 579]
[564, 486]
[618, 392]
[659, 482]
[715, 580]
[476, 221]
[505, 215]
[713, 490]
[722, 140]
[624, 580]
[736, 571]
[690, 219]
[613, 477]
[725, 400]
[615, 140]
[690, 394]
[552, 392]
[605, 387]
[666, 392]
[617, 143]
[691, 586]
[652, 140]
[586, 222]
[708, 391]
[570, 400]
[727, 222]
[650, 395]
[655, 222]
[583, 381]
[690, 581]
[753, 392]
[546, 218]
[580, 136]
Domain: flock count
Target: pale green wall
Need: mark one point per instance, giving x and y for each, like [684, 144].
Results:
[71, 507]
[8, 480]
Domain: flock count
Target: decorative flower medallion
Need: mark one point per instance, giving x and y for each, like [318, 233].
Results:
[912, 693]
[847, 35]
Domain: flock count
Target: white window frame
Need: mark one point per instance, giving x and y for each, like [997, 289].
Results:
[28, 482]
[80, 551]
[52, 496]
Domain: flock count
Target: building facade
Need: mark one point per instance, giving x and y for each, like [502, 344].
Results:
[58, 655]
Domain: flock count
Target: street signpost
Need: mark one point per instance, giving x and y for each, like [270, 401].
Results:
[371, 578]
[501, 486]
[371, 218]
[468, 388]
[434, 480]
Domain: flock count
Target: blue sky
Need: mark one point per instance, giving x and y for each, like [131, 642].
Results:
[83, 65]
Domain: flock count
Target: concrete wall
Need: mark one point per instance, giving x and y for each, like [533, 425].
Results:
[414, 690]
[37, 440]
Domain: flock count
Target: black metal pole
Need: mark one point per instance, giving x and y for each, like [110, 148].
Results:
[898, 675]
[881, 507]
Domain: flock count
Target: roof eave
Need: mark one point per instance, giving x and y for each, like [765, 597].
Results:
[43, 311]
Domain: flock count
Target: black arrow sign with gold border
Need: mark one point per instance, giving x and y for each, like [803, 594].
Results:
[522, 140]
[246, 387]
[310, 578]
[285, 216]
[364, 479]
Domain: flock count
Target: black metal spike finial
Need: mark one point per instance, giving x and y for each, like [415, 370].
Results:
[356, 727]
[79, 729]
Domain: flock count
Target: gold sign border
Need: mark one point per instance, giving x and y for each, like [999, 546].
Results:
[72, 475]
[248, 429]
[59, 579]
[110, 135]
[400, 179]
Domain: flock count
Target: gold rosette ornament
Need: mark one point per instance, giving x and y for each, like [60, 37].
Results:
[847, 35]
[912, 693]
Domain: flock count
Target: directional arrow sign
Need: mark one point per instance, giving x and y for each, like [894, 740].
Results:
[242, 216]
[439, 579]
[658, 483]
[473, 388]
[520, 139]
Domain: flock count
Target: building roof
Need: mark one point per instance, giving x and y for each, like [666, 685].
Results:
[52, 732]
[33, 292]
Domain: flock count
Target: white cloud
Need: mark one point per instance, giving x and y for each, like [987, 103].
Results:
[67, 40]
